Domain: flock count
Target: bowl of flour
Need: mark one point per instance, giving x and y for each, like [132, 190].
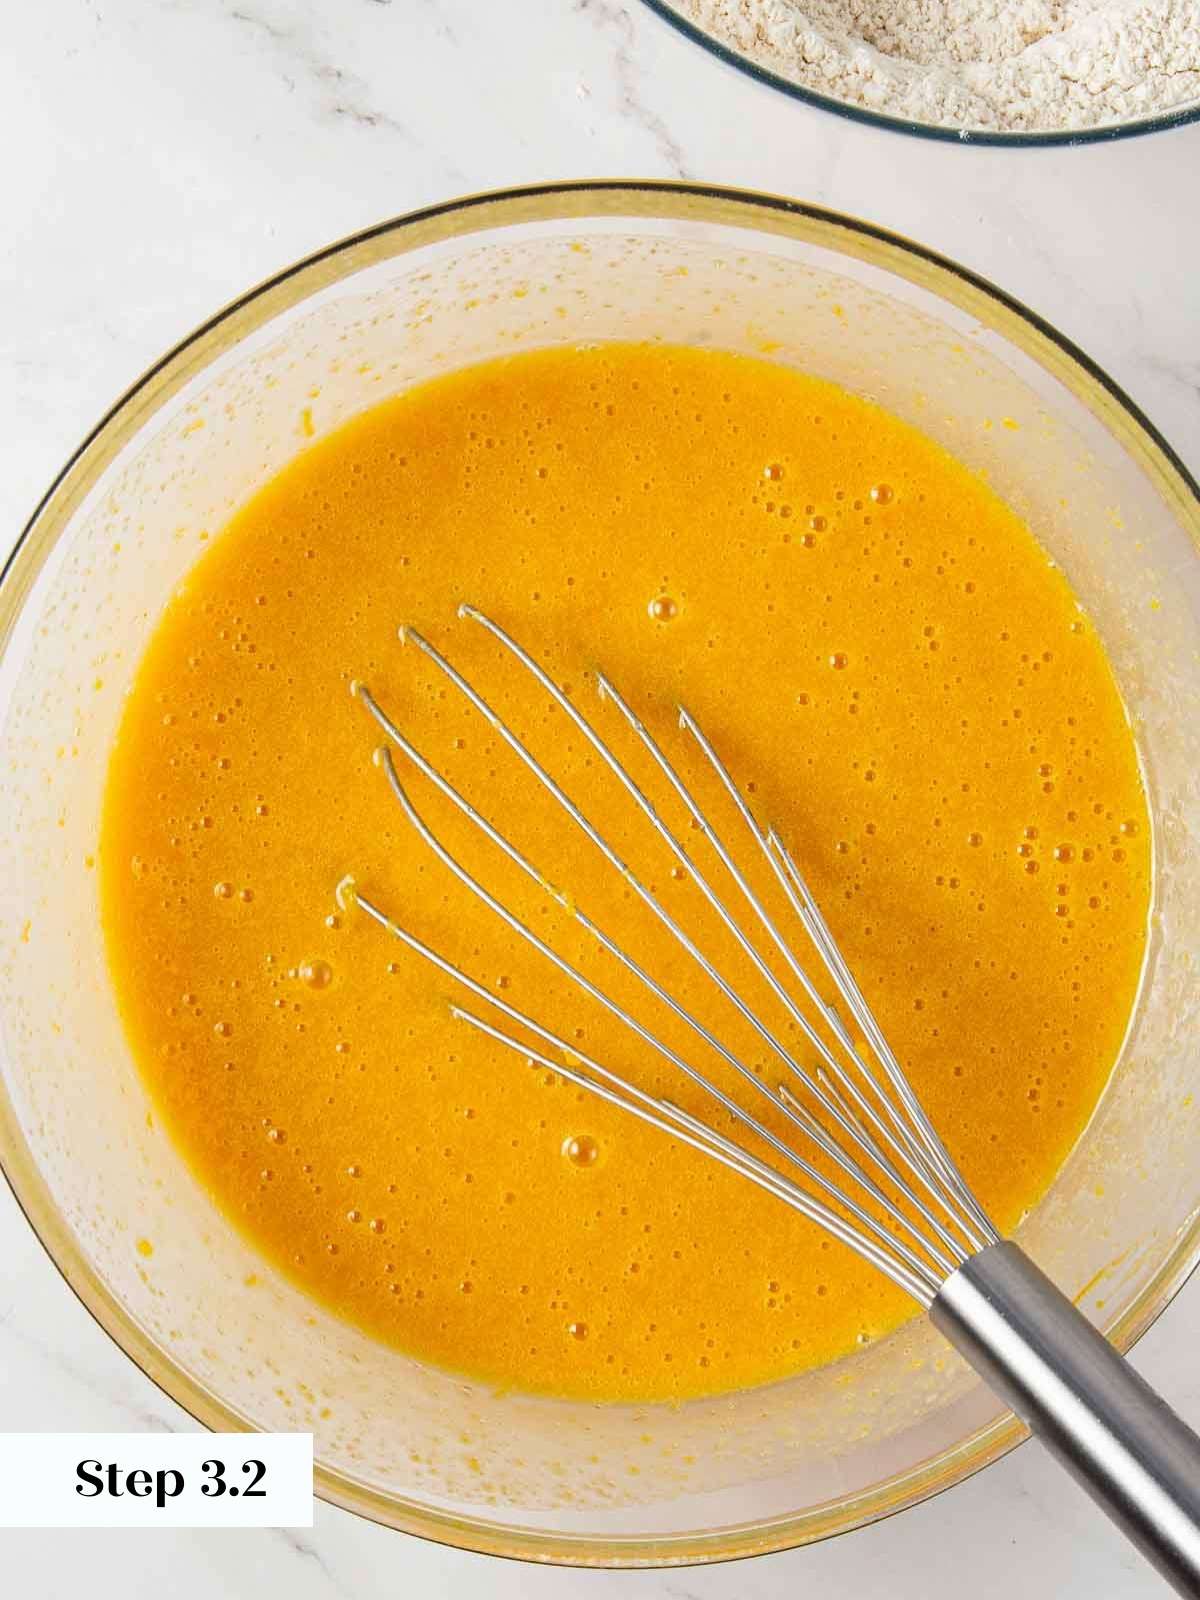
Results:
[988, 71]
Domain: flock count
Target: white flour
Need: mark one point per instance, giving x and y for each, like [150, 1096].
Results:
[1000, 65]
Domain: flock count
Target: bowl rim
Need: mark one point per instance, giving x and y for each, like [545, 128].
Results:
[1157, 122]
[483, 213]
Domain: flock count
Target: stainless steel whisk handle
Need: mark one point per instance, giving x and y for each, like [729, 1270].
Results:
[1105, 1424]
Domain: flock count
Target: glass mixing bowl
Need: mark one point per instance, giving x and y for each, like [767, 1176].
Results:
[1152, 122]
[206, 1318]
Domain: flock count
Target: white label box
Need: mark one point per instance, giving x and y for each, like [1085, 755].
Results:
[156, 1480]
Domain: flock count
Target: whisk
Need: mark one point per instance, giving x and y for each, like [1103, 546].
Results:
[882, 1180]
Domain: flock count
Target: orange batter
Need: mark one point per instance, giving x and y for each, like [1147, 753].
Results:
[889, 664]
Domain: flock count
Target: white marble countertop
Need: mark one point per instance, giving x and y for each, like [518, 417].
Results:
[162, 155]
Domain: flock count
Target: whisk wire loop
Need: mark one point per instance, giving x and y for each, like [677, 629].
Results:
[905, 1208]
